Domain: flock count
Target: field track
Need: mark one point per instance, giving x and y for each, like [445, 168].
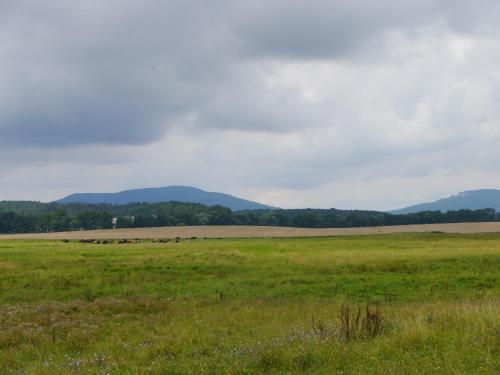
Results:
[255, 231]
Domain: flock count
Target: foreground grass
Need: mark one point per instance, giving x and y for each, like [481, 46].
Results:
[251, 306]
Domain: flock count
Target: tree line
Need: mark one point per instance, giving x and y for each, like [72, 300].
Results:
[25, 217]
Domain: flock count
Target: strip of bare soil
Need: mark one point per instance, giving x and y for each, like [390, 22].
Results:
[255, 231]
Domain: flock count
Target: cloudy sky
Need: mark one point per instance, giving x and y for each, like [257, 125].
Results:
[320, 103]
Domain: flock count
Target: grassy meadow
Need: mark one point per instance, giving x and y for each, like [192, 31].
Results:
[382, 304]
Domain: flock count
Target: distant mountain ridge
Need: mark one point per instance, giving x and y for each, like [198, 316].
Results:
[472, 200]
[166, 194]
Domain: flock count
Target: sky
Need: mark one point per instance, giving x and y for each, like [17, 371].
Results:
[369, 104]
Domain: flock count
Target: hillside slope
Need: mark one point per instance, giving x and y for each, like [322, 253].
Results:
[472, 200]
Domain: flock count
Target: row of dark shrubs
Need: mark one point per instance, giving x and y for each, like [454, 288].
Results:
[128, 241]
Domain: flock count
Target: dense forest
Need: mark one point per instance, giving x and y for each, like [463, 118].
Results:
[23, 217]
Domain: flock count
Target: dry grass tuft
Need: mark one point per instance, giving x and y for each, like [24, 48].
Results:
[355, 323]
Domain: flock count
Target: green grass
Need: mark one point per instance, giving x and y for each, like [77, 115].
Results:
[251, 306]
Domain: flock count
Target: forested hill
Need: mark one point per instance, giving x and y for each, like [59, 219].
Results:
[186, 194]
[23, 217]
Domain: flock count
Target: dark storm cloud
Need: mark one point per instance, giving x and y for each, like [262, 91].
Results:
[124, 72]
[85, 73]
[322, 29]
[326, 29]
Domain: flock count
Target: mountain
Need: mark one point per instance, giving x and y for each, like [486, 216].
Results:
[472, 200]
[165, 194]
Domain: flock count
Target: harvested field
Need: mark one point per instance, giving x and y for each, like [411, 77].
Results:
[256, 231]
